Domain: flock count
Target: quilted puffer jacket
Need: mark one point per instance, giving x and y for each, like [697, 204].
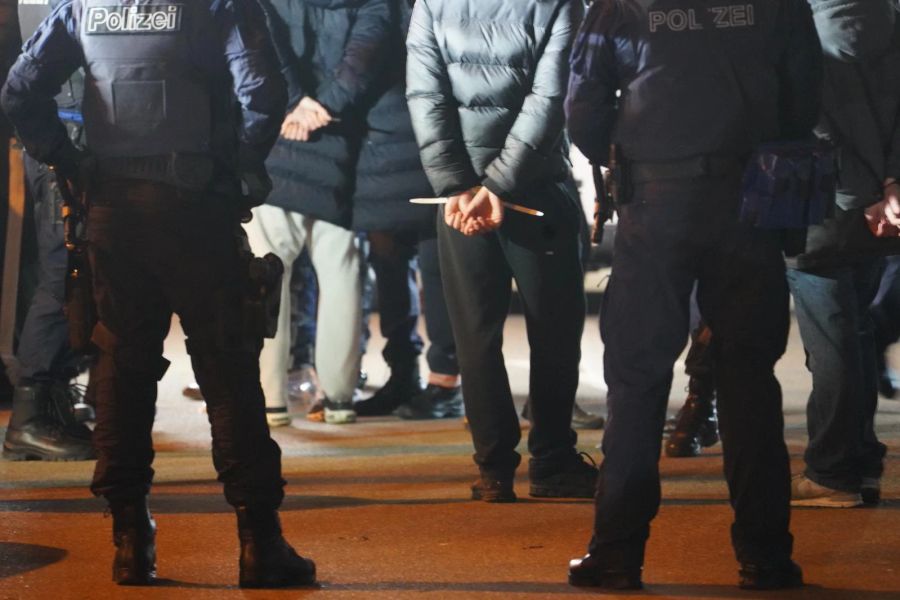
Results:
[861, 115]
[486, 80]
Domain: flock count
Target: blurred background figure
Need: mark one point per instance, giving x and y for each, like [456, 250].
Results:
[331, 52]
[403, 242]
[836, 279]
[48, 414]
[885, 312]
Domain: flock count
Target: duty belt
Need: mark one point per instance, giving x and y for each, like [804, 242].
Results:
[689, 168]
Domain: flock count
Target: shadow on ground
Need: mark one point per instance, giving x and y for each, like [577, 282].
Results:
[16, 558]
[210, 503]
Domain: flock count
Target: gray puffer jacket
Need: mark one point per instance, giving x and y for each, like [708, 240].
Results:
[861, 115]
[486, 80]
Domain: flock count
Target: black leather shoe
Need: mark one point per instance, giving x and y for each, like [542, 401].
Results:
[267, 560]
[696, 426]
[400, 388]
[37, 430]
[591, 572]
[760, 576]
[492, 489]
[575, 479]
[434, 402]
[134, 534]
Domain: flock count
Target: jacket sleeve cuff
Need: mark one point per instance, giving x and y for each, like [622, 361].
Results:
[494, 186]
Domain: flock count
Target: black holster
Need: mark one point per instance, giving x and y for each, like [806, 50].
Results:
[80, 309]
[262, 292]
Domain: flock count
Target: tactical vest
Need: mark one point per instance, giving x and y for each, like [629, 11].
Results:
[31, 14]
[143, 95]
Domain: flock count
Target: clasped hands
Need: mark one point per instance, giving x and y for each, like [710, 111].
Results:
[883, 218]
[306, 118]
[474, 211]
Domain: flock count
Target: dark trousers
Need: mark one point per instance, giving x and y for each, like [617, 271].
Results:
[671, 235]
[543, 255]
[44, 352]
[154, 251]
[304, 304]
[832, 306]
[393, 256]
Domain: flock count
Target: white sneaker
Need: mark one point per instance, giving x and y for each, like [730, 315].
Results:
[339, 413]
[806, 492]
[278, 416]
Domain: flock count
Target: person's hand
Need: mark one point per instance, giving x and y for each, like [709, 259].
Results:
[317, 115]
[483, 214]
[453, 215]
[883, 218]
[307, 117]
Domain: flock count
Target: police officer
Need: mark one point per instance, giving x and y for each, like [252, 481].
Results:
[700, 83]
[42, 425]
[162, 80]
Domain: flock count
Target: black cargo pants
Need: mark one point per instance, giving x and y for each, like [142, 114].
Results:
[155, 250]
[671, 235]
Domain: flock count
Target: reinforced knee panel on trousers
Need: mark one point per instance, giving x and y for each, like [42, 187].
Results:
[132, 357]
[143, 95]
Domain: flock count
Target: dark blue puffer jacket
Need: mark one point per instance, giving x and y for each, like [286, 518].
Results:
[390, 171]
[332, 51]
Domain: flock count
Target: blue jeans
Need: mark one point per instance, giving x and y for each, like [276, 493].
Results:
[838, 334]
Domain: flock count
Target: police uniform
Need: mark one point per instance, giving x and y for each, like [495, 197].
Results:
[699, 84]
[42, 425]
[162, 80]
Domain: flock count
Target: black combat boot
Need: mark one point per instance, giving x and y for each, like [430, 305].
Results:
[400, 388]
[696, 425]
[267, 560]
[134, 534]
[41, 429]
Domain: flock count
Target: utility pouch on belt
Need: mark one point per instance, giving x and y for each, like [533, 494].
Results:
[789, 185]
[604, 204]
[81, 312]
[618, 184]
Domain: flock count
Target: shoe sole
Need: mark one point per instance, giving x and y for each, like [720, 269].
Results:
[827, 503]
[617, 582]
[779, 584]
[124, 577]
[493, 498]
[340, 417]
[557, 492]
[14, 455]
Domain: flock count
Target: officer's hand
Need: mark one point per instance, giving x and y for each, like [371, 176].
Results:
[453, 215]
[483, 214]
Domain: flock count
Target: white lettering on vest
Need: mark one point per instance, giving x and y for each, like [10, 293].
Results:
[678, 20]
[107, 20]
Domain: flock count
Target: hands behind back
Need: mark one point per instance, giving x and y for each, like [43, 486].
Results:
[307, 117]
[883, 218]
[475, 211]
